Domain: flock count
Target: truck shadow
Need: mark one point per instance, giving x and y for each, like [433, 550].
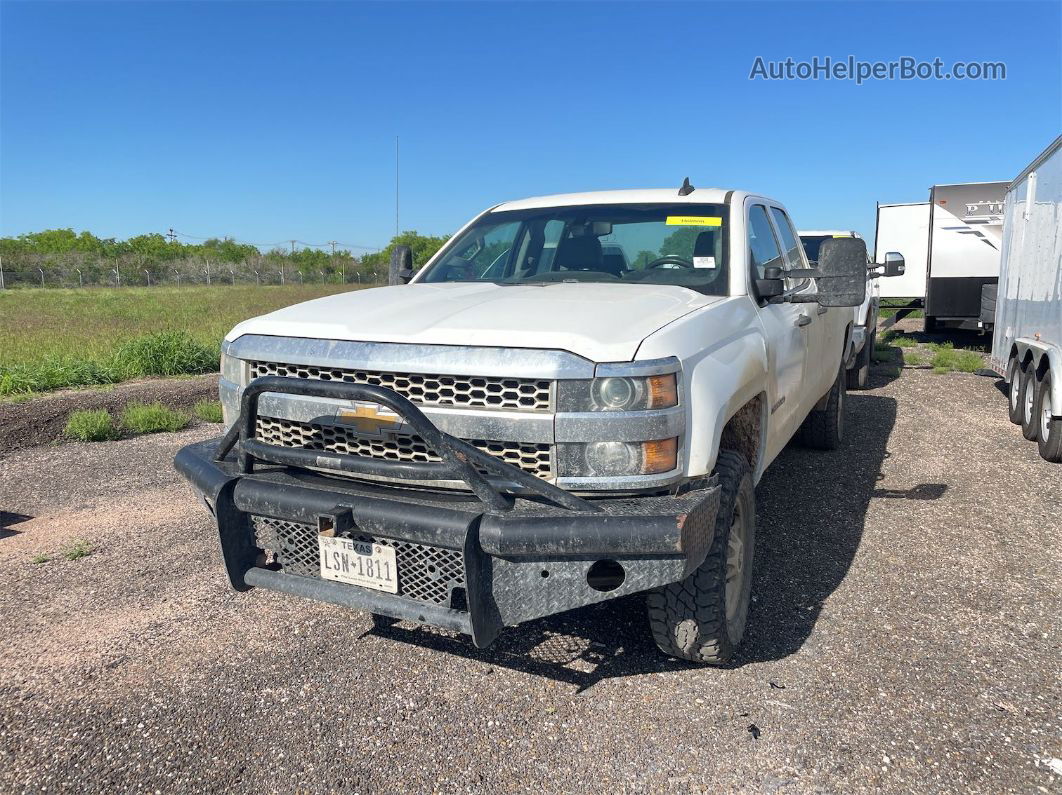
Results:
[811, 508]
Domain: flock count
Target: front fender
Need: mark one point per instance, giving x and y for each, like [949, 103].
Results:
[724, 366]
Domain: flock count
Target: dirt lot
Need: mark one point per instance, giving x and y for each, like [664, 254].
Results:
[42, 420]
[905, 635]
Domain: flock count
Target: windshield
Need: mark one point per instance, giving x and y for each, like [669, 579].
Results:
[679, 244]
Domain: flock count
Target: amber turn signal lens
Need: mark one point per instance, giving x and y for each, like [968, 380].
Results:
[663, 391]
[660, 456]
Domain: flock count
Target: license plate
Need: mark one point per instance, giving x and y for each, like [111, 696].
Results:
[358, 563]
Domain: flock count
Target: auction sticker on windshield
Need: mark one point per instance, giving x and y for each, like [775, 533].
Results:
[358, 563]
[694, 220]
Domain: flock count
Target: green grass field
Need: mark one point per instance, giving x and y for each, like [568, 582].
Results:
[51, 339]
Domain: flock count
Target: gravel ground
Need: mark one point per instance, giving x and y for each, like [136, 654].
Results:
[905, 636]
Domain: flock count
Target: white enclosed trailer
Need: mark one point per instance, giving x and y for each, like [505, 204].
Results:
[904, 228]
[1027, 338]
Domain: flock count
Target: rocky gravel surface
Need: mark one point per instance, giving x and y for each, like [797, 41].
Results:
[905, 635]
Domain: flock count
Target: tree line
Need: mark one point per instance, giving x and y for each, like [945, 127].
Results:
[65, 258]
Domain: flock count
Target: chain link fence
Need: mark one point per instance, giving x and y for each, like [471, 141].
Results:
[184, 273]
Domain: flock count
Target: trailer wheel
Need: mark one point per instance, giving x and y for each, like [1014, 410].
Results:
[702, 618]
[1014, 405]
[859, 375]
[823, 429]
[1030, 423]
[1050, 428]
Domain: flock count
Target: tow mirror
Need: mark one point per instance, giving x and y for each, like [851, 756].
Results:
[894, 264]
[401, 270]
[771, 285]
[841, 272]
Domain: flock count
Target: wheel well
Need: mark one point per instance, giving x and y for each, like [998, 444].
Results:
[743, 431]
[1043, 366]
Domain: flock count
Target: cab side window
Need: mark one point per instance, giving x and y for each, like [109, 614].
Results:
[763, 247]
[789, 238]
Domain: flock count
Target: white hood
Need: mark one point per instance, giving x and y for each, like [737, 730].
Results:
[601, 322]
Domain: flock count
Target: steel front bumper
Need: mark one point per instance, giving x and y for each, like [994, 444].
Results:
[510, 565]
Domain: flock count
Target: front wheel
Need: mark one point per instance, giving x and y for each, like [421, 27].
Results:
[1014, 406]
[702, 618]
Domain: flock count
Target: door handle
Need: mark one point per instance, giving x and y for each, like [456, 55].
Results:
[803, 320]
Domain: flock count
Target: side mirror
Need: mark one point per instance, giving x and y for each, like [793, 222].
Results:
[894, 264]
[401, 265]
[767, 289]
[841, 277]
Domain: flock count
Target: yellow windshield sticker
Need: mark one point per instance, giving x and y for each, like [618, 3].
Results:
[842, 235]
[694, 220]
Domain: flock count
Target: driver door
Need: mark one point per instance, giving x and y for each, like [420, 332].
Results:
[785, 329]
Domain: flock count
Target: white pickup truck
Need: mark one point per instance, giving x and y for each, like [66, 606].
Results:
[571, 401]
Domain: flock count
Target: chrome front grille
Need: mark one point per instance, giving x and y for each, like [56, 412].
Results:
[519, 394]
[425, 573]
[534, 458]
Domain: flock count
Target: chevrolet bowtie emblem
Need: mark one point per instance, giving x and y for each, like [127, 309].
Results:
[370, 418]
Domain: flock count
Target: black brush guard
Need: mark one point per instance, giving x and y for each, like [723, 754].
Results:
[525, 555]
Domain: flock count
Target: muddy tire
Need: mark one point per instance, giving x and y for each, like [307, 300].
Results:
[823, 429]
[859, 376]
[1050, 430]
[1014, 406]
[702, 618]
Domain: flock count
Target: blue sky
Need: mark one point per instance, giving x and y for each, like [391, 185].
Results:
[271, 121]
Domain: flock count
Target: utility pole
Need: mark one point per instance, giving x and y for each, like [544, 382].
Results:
[332, 243]
[171, 235]
[1, 273]
[396, 186]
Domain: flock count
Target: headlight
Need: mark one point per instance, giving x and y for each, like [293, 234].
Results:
[611, 458]
[616, 394]
[618, 459]
[619, 393]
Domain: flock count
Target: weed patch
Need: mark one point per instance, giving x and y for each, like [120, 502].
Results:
[208, 410]
[152, 418]
[77, 550]
[91, 426]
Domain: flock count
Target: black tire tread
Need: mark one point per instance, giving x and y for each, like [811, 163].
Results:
[819, 429]
[1014, 371]
[1030, 426]
[859, 376]
[701, 596]
[1051, 447]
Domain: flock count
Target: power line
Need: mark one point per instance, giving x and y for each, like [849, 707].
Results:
[276, 244]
